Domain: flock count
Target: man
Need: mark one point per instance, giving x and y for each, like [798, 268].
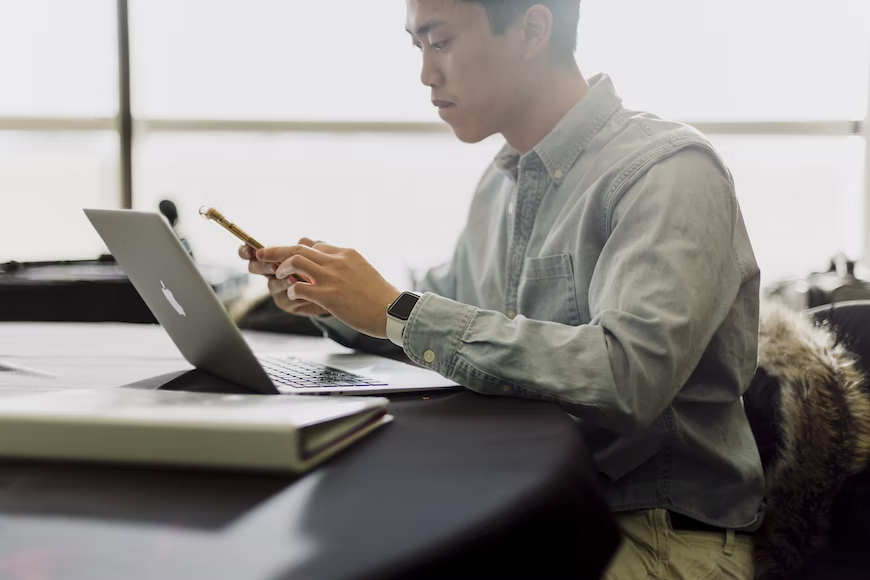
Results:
[605, 266]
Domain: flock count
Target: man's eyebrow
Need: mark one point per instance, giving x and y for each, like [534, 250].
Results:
[425, 28]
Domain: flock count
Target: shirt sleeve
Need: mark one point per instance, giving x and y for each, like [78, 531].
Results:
[666, 278]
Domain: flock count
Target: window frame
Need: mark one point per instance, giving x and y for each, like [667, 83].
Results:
[127, 127]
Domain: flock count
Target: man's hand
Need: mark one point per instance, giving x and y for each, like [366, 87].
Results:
[278, 288]
[339, 280]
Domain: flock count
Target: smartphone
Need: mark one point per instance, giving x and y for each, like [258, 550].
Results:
[217, 217]
[211, 213]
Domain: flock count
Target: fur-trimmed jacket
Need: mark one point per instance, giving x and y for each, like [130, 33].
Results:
[810, 412]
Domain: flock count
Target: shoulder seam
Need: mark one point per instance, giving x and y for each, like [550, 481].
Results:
[617, 189]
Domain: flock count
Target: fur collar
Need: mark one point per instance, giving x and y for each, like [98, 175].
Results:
[820, 417]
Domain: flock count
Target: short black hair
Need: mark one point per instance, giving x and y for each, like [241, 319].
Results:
[566, 15]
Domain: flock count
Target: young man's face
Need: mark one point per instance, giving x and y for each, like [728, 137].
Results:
[475, 76]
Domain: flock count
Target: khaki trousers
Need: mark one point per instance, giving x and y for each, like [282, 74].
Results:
[651, 548]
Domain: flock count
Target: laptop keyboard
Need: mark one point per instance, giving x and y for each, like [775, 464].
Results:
[292, 372]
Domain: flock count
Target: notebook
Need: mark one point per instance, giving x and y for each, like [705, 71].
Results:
[291, 433]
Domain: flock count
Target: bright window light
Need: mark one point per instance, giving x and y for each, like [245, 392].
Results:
[58, 58]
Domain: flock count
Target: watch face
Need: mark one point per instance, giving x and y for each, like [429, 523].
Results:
[403, 306]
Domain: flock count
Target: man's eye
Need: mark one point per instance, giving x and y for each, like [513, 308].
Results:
[439, 46]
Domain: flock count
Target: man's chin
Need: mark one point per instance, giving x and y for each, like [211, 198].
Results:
[470, 134]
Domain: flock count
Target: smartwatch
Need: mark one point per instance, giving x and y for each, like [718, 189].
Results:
[397, 315]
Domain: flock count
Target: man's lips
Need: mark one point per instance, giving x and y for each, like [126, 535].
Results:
[441, 104]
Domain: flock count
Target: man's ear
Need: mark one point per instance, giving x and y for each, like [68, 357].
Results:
[537, 27]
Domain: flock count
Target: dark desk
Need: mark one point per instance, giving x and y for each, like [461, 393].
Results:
[458, 486]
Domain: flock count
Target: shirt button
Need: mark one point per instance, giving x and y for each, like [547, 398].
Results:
[429, 356]
[511, 313]
[558, 174]
[511, 208]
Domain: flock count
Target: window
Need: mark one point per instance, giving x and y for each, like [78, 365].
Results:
[46, 179]
[342, 60]
[58, 69]
[343, 189]
[740, 60]
[58, 58]
[255, 106]
[801, 198]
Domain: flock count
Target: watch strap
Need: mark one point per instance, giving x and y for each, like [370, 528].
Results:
[395, 330]
[395, 325]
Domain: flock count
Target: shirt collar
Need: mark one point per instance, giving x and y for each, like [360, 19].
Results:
[560, 149]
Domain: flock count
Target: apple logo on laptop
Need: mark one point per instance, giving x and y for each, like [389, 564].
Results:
[168, 293]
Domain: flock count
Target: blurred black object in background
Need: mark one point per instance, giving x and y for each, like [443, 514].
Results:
[170, 212]
[94, 290]
[89, 291]
[262, 314]
[839, 283]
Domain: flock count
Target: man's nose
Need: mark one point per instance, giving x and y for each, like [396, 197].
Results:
[430, 75]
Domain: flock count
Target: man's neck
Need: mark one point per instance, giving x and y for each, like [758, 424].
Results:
[550, 101]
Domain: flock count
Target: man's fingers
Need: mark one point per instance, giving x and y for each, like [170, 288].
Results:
[279, 287]
[303, 291]
[263, 268]
[326, 248]
[298, 307]
[284, 302]
[246, 253]
[281, 253]
[300, 266]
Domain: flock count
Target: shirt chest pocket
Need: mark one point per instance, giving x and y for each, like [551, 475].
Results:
[546, 290]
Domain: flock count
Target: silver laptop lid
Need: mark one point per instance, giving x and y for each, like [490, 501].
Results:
[179, 297]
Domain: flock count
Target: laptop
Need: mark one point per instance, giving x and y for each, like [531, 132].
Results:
[169, 282]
